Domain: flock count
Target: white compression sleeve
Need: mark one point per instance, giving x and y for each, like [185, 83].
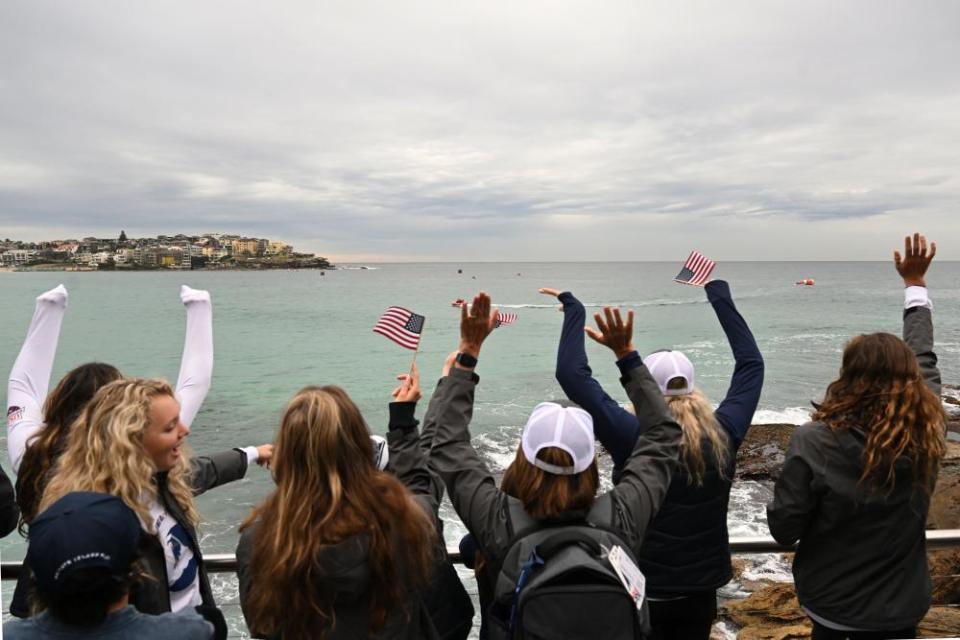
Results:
[30, 376]
[196, 366]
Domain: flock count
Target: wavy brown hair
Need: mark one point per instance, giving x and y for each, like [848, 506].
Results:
[61, 408]
[105, 451]
[546, 495]
[328, 490]
[881, 391]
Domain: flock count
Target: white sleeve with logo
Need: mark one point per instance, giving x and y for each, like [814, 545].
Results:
[196, 365]
[30, 376]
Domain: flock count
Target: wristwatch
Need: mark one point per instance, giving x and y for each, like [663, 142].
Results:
[466, 360]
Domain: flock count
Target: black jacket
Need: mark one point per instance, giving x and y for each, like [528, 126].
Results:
[206, 472]
[9, 513]
[861, 561]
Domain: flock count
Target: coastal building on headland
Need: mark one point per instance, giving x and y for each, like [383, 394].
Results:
[207, 251]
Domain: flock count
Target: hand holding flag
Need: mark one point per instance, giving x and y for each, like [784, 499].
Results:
[696, 270]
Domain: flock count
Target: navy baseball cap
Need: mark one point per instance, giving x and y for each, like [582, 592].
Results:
[81, 530]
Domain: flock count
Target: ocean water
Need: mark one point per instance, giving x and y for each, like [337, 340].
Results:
[278, 331]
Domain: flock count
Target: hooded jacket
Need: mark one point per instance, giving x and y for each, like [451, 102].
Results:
[861, 561]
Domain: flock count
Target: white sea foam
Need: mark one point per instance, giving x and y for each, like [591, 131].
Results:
[790, 415]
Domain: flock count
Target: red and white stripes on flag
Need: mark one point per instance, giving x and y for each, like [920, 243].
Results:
[402, 326]
[505, 318]
[697, 270]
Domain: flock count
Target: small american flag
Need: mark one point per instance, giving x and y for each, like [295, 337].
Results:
[402, 326]
[505, 318]
[697, 269]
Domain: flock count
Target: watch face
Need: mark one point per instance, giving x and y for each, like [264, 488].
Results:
[466, 360]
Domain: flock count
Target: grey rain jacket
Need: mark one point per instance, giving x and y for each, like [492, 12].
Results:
[345, 567]
[862, 559]
[484, 509]
[206, 472]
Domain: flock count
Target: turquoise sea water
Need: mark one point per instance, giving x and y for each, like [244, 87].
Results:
[278, 331]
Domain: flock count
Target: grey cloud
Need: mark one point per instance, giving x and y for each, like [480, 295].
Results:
[395, 129]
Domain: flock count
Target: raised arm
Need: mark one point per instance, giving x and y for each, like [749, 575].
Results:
[196, 366]
[614, 426]
[918, 309]
[473, 491]
[408, 460]
[736, 411]
[30, 376]
[649, 469]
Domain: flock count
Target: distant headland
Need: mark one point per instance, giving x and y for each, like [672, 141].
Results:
[211, 251]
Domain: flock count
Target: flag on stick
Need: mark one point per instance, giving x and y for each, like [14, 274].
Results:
[402, 326]
[505, 318]
[696, 271]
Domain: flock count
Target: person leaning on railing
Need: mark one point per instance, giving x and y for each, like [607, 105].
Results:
[856, 484]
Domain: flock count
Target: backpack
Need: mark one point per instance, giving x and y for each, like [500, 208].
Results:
[556, 582]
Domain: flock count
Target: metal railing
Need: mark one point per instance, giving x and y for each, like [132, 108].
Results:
[744, 545]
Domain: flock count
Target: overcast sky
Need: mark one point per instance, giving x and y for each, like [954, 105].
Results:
[514, 130]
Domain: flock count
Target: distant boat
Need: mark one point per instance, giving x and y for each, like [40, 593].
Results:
[459, 302]
[807, 282]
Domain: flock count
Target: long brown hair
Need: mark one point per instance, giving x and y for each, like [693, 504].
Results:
[105, 451]
[61, 408]
[327, 491]
[548, 495]
[881, 391]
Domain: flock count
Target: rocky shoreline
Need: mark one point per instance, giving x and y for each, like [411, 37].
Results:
[771, 610]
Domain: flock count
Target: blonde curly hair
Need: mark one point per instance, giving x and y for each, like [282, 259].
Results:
[105, 451]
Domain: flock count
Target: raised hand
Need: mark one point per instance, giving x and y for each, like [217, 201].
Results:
[476, 323]
[913, 264]
[409, 389]
[550, 292]
[612, 332]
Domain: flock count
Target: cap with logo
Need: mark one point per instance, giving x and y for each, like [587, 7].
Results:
[81, 530]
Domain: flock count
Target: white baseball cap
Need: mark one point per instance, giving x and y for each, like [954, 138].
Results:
[567, 428]
[666, 365]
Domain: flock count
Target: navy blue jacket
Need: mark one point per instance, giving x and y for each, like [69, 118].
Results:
[686, 548]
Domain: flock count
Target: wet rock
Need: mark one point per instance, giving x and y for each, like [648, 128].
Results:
[771, 613]
[762, 453]
[945, 574]
[940, 622]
